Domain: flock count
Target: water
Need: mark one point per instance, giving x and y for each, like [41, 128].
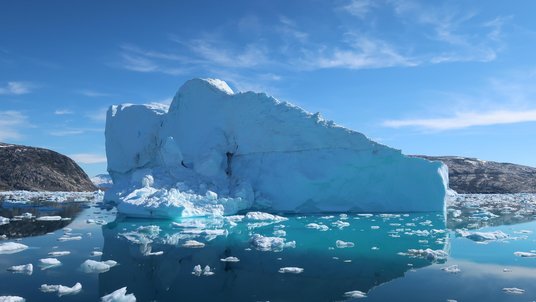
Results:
[378, 264]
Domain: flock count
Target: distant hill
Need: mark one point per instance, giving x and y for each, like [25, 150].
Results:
[102, 181]
[471, 175]
[38, 169]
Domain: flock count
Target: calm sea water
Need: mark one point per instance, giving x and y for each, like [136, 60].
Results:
[368, 253]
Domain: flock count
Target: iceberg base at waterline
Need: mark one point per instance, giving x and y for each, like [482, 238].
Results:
[214, 152]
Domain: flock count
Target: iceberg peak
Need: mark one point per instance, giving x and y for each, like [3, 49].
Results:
[216, 152]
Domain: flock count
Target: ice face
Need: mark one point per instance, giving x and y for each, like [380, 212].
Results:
[216, 152]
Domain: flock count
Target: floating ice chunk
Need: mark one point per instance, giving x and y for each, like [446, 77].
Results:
[280, 233]
[69, 238]
[344, 244]
[190, 223]
[374, 248]
[523, 232]
[453, 269]
[92, 266]
[316, 226]
[263, 243]
[96, 253]
[193, 244]
[61, 289]
[207, 271]
[513, 290]
[197, 270]
[22, 269]
[59, 253]
[49, 262]
[119, 296]
[374, 227]
[355, 294]
[261, 216]
[12, 299]
[340, 224]
[483, 236]
[291, 270]
[230, 259]
[506, 270]
[525, 254]
[48, 218]
[12, 247]
[429, 254]
[4, 220]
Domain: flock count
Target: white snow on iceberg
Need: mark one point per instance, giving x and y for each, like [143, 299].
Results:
[214, 152]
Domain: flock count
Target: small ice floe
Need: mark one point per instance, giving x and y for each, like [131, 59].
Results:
[47, 263]
[343, 244]
[523, 232]
[317, 226]
[374, 248]
[22, 269]
[263, 243]
[506, 270]
[340, 224]
[96, 253]
[69, 238]
[193, 244]
[230, 259]
[12, 299]
[374, 227]
[62, 290]
[365, 215]
[280, 233]
[205, 272]
[261, 216]
[347, 261]
[4, 220]
[428, 254]
[482, 236]
[355, 294]
[59, 253]
[513, 290]
[525, 254]
[191, 223]
[119, 295]
[48, 218]
[92, 266]
[12, 247]
[453, 269]
[327, 217]
[291, 270]
[452, 300]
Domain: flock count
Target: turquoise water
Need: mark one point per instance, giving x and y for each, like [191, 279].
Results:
[155, 266]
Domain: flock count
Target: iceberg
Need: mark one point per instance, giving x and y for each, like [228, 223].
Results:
[215, 152]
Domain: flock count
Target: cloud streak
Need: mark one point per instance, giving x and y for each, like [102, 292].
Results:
[16, 88]
[466, 120]
[10, 123]
[88, 158]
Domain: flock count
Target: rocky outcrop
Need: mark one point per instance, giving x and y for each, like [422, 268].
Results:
[471, 175]
[38, 169]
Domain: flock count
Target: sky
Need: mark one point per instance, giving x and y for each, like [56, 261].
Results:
[425, 77]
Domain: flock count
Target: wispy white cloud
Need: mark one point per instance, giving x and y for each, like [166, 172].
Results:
[98, 115]
[16, 88]
[465, 120]
[73, 131]
[88, 158]
[94, 93]
[11, 122]
[63, 112]
[359, 8]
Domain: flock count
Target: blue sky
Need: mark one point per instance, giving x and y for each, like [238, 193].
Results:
[426, 77]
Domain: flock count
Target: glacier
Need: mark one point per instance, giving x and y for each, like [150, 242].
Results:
[214, 152]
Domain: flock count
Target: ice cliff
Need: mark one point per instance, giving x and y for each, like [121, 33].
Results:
[215, 152]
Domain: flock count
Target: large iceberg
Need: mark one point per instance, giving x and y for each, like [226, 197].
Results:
[214, 152]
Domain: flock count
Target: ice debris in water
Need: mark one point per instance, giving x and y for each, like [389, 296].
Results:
[291, 270]
[261, 216]
[119, 295]
[23, 269]
[11, 247]
[316, 226]
[193, 244]
[92, 266]
[340, 224]
[4, 220]
[59, 253]
[453, 269]
[96, 253]
[482, 236]
[275, 244]
[355, 294]
[513, 290]
[48, 218]
[230, 259]
[343, 244]
[525, 254]
[61, 289]
[69, 238]
[428, 254]
[12, 299]
[205, 272]
[49, 262]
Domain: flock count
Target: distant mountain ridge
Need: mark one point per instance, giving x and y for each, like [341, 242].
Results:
[38, 169]
[471, 175]
[102, 181]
